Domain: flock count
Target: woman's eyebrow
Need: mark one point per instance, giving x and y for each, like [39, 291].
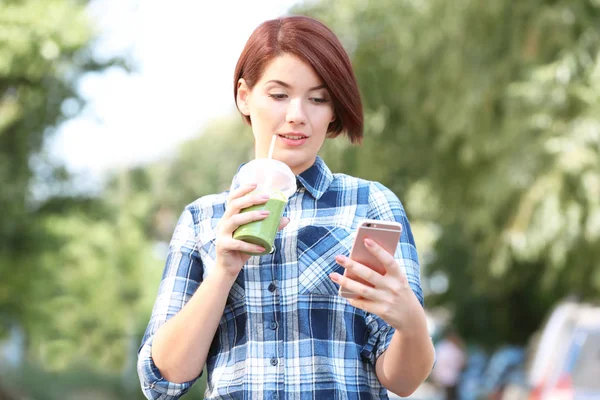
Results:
[287, 85]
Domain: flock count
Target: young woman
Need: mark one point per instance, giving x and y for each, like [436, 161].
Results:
[274, 326]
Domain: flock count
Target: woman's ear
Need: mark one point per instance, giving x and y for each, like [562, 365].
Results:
[243, 94]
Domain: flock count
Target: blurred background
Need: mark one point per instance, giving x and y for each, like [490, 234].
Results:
[483, 117]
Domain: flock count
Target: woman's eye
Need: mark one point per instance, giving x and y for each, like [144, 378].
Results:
[278, 96]
[319, 100]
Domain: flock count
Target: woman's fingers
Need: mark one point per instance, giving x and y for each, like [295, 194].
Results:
[232, 223]
[283, 223]
[362, 271]
[229, 244]
[388, 261]
[368, 283]
[358, 288]
[240, 192]
[236, 205]
[233, 218]
[355, 271]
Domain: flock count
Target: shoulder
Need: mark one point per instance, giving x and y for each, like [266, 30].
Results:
[378, 190]
[212, 205]
[197, 217]
[344, 182]
[208, 201]
[379, 197]
[375, 188]
[384, 200]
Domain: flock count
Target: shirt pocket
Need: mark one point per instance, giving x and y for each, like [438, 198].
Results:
[317, 248]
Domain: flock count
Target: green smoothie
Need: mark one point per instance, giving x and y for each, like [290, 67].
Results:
[262, 233]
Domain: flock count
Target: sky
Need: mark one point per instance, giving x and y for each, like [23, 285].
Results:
[184, 52]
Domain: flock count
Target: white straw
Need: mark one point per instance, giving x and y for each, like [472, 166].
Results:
[272, 146]
[269, 180]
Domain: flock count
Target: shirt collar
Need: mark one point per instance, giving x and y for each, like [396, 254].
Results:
[316, 179]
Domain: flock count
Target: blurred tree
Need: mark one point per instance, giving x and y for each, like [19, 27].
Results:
[79, 382]
[44, 49]
[73, 268]
[203, 165]
[99, 270]
[484, 118]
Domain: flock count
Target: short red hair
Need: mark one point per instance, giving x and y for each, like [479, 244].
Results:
[314, 43]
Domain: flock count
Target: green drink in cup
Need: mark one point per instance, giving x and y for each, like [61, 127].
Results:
[276, 179]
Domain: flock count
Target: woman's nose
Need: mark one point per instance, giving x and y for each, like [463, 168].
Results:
[295, 112]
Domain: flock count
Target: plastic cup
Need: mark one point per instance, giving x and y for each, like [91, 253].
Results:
[276, 179]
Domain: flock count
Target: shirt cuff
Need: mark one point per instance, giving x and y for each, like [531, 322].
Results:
[151, 378]
[385, 338]
[378, 341]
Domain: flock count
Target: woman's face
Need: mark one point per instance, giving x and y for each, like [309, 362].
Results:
[289, 101]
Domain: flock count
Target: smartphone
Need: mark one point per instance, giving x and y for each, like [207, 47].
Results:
[384, 233]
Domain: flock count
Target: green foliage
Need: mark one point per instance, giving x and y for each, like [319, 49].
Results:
[207, 164]
[96, 268]
[79, 382]
[43, 51]
[491, 110]
[40, 57]
[74, 270]
[204, 165]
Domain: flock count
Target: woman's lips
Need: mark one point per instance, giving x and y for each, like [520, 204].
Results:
[288, 141]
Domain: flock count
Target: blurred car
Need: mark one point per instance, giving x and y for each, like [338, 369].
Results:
[564, 360]
[471, 378]
[498, 373]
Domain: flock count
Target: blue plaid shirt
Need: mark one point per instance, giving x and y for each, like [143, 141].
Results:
[285, 333]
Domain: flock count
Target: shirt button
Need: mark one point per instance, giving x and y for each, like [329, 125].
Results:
[272, 287]
[273, 325]
[273, 361]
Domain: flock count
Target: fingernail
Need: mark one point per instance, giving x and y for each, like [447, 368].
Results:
[340, 259]
[334, 276]
[259, 249]
[265, 212]
[265, 196]
[369, 242]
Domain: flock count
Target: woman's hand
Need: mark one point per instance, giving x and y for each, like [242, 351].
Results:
[230, 252]
[390, 298]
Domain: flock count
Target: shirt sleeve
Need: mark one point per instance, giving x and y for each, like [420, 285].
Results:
[181, 277]
[385, 205]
